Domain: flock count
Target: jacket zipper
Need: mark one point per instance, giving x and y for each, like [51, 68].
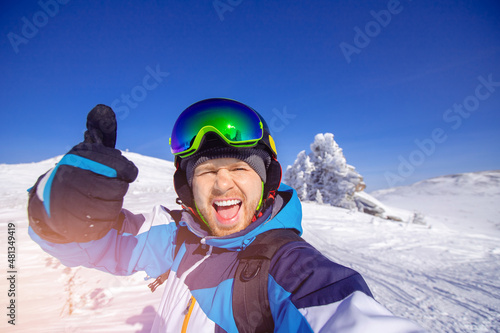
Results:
[188, 311]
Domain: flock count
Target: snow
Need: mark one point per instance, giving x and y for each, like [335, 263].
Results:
[467, 202]
[443, 274]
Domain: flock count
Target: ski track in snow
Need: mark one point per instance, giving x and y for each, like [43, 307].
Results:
[440, 277]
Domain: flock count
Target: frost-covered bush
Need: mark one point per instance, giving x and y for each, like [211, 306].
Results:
[324, 176]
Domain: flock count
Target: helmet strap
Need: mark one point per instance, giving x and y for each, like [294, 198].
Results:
[261, 197]
[201, 215]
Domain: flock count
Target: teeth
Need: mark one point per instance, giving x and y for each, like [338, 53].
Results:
[224, 203]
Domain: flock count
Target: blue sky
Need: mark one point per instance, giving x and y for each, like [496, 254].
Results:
[410, 89]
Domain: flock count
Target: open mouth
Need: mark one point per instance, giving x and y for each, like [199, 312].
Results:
[227, 210]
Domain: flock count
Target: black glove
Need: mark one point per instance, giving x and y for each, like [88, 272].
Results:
[83, 195]
[101, 126]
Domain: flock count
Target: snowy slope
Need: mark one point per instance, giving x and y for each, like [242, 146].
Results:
[436, 274]
[469, 202]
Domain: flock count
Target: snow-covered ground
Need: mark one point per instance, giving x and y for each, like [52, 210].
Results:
[466, 202]
[443, 274]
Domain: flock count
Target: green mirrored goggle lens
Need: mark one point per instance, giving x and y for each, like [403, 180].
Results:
[237, 124]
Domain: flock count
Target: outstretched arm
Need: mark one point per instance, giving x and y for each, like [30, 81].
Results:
[310, 293]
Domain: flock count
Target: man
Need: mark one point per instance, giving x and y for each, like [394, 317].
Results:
[228, 181]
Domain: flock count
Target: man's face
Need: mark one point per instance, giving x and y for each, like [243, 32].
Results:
[227, 192]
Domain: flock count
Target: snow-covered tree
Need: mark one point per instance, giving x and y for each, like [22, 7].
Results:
[324, 175]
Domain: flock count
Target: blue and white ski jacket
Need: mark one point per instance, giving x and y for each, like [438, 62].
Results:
[307, 292]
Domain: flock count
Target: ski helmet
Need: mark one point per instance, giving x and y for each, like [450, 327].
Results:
[222, 127]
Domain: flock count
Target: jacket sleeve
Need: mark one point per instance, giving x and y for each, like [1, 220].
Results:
[145, 242]
[310, 293]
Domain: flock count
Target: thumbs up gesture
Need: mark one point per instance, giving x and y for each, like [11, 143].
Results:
[81, 198]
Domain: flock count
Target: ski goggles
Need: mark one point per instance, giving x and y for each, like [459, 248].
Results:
[237, 124]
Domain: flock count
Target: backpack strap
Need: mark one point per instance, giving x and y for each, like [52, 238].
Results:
[251, 308]
[182, 233]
